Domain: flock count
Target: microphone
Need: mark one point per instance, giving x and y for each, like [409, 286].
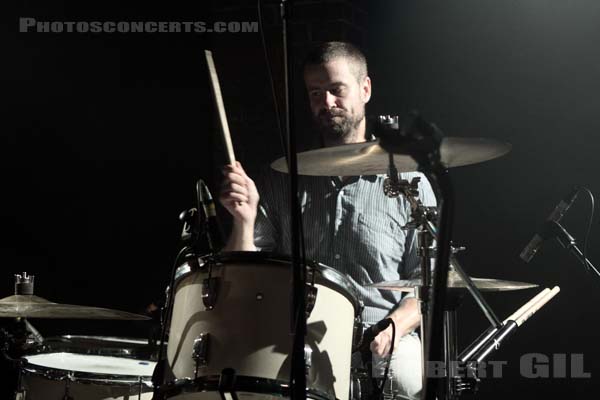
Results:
[214, 236]
[371, 332]
[559, 211]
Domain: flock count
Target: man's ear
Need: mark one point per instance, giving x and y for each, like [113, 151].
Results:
[365, 90]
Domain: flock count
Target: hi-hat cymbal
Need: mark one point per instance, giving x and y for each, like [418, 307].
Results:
[370, 158]
[455, 282]
[30, 306]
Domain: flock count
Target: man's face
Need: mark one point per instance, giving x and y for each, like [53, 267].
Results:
[337, 99]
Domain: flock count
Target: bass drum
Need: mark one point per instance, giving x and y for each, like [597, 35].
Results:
[88, 368]
[230, 329]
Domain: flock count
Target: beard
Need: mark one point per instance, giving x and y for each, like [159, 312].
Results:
[336, 125]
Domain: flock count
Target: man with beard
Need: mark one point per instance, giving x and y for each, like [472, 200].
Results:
[349, 224]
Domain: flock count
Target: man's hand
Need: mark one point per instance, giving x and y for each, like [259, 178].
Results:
[239, 195]
[406, 317]
[382, 343]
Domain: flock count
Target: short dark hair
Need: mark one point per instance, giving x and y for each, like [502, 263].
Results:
[328, 51]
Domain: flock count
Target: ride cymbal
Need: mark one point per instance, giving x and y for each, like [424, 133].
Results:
[370, 158]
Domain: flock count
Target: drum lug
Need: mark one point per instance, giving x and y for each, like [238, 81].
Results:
[311, 299]
[210, 289]
[358, 329]
[307, 357]
[200, 351]
[20, 394]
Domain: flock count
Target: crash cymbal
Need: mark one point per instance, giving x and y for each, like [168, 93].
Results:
[455, 282]
[30, 306]
[370, 158]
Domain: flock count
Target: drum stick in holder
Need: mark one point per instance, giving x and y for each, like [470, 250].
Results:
[537, 305]
[511, 326]
[485, 336]
[526, 306]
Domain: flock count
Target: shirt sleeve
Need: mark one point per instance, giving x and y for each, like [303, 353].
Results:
[265, 233]
[267, 226]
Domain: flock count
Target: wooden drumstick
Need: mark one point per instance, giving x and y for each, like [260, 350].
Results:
[216, 89]
[526, 306]
[539, 304]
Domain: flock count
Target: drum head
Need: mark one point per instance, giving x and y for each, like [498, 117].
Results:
[90, 364]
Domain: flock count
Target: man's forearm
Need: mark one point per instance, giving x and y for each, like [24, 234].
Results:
[406, 317]
[241, 238]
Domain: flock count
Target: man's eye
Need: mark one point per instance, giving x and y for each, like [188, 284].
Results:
[315, 93]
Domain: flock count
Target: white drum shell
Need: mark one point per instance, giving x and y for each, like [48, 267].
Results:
[249, 327]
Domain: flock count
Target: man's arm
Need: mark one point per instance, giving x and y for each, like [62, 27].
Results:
[407, 315]
[240, 197]
[406, 318]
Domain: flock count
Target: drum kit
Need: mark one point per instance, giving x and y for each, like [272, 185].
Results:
[228, 325]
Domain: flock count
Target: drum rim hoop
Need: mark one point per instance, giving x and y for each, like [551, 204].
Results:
[61, 374]
[210, 383]
[335, 279]
[120, 347]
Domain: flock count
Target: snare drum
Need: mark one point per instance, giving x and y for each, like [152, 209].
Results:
[232, 313]
[89, 368]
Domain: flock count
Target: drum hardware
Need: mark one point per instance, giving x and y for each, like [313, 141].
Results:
[421, 145]
[210, 290]
[24, 284]
[68, 381]
[227, 384]
[307, 357]
[357, 334]
[490, 340]
[24, 304]
[200, 352]
[311, 298]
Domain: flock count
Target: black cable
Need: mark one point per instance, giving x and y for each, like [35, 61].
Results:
[589, 228]
[160, 367]
[271, 80]
[389, 363]
[277, 112]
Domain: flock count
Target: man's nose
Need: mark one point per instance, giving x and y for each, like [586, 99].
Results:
[330, 100]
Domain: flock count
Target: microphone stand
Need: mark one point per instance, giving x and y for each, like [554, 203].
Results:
[298, 314]
[567, 241]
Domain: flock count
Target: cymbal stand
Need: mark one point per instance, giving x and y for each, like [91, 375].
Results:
[422, 218]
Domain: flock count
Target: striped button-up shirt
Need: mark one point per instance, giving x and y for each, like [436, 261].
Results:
[350, 226]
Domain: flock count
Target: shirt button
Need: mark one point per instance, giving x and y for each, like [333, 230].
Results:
[337, 256]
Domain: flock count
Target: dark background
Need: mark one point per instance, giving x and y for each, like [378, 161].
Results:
[103, 137]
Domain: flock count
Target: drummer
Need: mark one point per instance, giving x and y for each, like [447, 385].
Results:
[349, 224]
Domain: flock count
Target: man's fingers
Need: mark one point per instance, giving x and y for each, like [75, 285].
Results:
[232, 177]
[233, 197]
[237, 188]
